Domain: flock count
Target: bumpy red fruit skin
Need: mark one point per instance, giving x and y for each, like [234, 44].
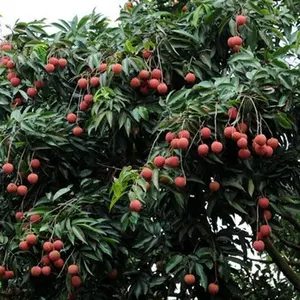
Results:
[7, 168]
[32, 178]
[156, 73]
[135, 205]
[59, 263]
[46, 271]
[228, 131]
[46, 260]
[242, 143]
[162, 88]
[58, 245]
[54, 255]
[267, 215]
[36, 271]
[203, 150]
[77, 131]
[22, 190]
[241, 20]
[153, 83]
[48, 247]
[174, 143]
[244, 153]
[19, 215]
[189, 279]
[94, 81]
[216, 147]
[184, 134]
[35, 219]
[190, 78]
[146, 174]
[205, 133]
[259, 246]
[50, 68]
[170, 136]
[144, 74]
[135, 83]
[183, 143]
[180, 182]
[172, 161]
[242, 127]
[265, 230]
[62, 62]
[214, 186]
[2, 270]
[24, 246]
[35, 163]
[269, 151]
[263, 202]
[232, 113]
[53, 60]
[272, 142]
[76, 281]
[71, 118]
[31, 239]
[117, 69]
[159, 161]
[73, 269]
[260, 139]
[103, 67]
[82, 83]
[213, 289]
[147, 53]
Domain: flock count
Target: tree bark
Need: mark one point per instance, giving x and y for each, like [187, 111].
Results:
[282, 264]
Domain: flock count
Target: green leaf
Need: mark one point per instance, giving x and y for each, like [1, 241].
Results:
[250, 187]
[79, 234]
[173, 262]
[202, 275]
[61, 192]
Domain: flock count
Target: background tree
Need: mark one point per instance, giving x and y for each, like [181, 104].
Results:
[129, 153]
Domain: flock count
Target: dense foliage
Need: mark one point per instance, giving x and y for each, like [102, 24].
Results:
[143, 175]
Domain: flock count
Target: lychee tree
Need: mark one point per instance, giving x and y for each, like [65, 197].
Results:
[160, 151]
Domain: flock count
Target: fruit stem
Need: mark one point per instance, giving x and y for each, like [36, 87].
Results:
[215, 120]
[19, 165]
[257, 220]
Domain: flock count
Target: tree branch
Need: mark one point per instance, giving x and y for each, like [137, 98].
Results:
[291, 263]
[282, 264]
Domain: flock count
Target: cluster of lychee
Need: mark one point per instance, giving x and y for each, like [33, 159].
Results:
[260, 144]
[6, 274]
[213, 288]
[32, 178]
[50, 259]
[54, 62]
[87, 100]
[235, 42]
[147, 81]
[265, 230]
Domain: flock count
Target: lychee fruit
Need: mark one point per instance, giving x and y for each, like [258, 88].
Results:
[24, 246]
[7, 168]
[62, 62]
[205, 133]
[259, 246]
[77, 131]
[12, 188]
[117, 69]
[82, 83]
[242, 127]
[241, 20]
[94, 81]
[180, 182]
[19, 215]
[36, 271]
[103, 67]
[73, 269]
[53, 60]
[184, 134]
[59, 263]
[172, 161]
[260, 139]
[54, 255]
[135, 83]
[71, 118]
[228, 131]
[156, 73]
[159, 161]
[182, 143]
[263, 202]
[58, 245]
[203, 150]
[31, 239]
[244, 153]
[242, 143]
[162, 88]
[35, 163]
[213, 288]
[272, 142]
[189, 279]
[265, 230]
[15, 81]
[76, 281]
[32, 178]
[190, 78]
[46, 271]
[267, 215]
[170, 136]
[232, 113]
[146, 174]
[50, 68]
[135, 205]
[214, 186]
[147, 53]
[22, 190]
[216, 147]
[35, 219]
[48, 247]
